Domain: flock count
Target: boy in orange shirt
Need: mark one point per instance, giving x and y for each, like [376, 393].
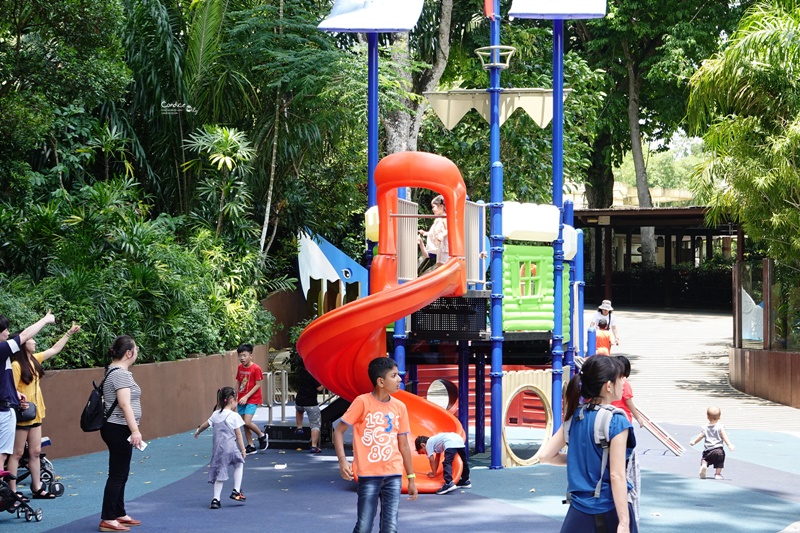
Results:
[381, 451]
[603, 338]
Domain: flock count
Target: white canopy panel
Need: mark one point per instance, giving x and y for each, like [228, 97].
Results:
[369, 16]
[558, 9]
[451, 106]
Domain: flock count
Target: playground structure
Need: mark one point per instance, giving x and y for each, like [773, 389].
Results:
[338, 345]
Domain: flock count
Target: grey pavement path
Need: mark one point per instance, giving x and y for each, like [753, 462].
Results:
[679, 369]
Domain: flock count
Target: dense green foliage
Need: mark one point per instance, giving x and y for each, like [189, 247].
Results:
[746, 101]
[96, 257]
[672, 169]
[154, 173]
[647, 50]
[526, 149]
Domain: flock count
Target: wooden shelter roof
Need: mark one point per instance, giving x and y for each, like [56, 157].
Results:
[662, 218]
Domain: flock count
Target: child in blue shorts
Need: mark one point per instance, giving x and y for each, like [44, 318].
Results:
[248, 381]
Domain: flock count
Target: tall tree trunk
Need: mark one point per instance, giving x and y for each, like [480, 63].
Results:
[402, 126]
[600, 176]
[642, 189]
[272, 170]
[274, 160]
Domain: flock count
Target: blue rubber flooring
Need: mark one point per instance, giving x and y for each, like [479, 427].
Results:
[168, 491]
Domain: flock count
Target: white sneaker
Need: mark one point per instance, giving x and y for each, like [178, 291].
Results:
[703, 471]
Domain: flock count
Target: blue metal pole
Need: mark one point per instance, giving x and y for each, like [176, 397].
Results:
[496, 215]
[480, 404]
[591, 342]
[579, 279]
[558, 249]
[372, 116]
[372, 128]
[400, 336]
[463, 388]
[569, 360]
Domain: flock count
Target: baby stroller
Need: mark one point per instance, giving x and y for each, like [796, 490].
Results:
[47, 475]
[12, 502]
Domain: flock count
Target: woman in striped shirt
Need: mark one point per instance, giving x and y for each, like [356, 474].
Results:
[120, 432]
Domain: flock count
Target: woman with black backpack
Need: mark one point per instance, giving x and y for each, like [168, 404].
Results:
[120, 432]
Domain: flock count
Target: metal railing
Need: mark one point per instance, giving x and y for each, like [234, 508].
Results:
[276, 391]
[407, 221]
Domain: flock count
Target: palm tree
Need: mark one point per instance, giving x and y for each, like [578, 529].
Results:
[746, 100]
[229, 150]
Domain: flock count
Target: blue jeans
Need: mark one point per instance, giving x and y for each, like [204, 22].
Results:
[447, 465]
[370, 491]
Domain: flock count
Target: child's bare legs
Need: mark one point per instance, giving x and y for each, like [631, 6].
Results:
[249, 426]
[718, 473]
[298, 416]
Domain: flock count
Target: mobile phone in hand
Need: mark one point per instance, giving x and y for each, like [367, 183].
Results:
[141, 446]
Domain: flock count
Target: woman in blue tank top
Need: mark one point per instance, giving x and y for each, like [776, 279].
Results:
[600, 382]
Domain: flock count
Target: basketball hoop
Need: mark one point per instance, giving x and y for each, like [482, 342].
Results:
[495, 56]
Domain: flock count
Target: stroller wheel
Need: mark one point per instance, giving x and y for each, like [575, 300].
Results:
[38, 515]
[56, 488]
[28, 515]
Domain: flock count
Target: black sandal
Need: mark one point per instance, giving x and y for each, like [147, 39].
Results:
[23, 498]
[42, 494]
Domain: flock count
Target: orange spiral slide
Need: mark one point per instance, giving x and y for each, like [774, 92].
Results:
[338, 346]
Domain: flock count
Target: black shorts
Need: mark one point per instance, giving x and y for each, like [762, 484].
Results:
[714, 457]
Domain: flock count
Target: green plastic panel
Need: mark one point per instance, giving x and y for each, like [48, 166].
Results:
[528, 288]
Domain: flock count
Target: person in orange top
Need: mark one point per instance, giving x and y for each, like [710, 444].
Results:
[381, 452]
[626, 402]
[603, 338]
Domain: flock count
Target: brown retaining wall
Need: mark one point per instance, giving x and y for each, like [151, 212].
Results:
[288, 308]
[774, 376]
[177, 396]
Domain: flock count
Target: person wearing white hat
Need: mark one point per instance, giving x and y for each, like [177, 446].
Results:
[606, 311]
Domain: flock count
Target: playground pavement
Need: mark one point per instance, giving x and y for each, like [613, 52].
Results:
[680, 365]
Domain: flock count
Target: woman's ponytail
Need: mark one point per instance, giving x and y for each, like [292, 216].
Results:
[588, 383]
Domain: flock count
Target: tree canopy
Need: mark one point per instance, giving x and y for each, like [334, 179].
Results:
[746, 101]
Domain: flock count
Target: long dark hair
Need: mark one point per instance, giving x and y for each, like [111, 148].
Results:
[223, 395]
[29, 367]
[588, 383]
[122, 344]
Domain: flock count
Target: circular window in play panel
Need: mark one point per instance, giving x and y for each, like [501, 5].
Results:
[527, 422]
[443, 393]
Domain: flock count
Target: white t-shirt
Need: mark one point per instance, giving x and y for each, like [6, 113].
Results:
[598, 315]
[228, 417]
[436, 242]
[443, 441]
